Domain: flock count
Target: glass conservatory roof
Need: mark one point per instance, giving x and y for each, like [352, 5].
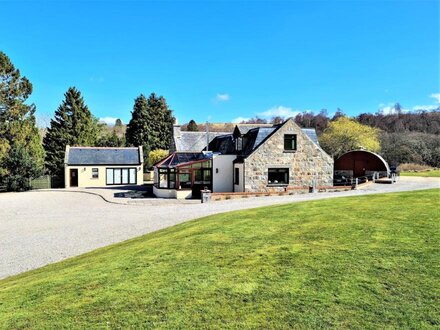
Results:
[177, 159]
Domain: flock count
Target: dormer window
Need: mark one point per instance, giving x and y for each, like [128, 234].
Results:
[239, 144]
[289, 142]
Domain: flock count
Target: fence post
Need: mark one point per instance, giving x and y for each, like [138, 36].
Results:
[356, 182]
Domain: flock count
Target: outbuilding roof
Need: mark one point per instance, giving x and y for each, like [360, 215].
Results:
[103, 156]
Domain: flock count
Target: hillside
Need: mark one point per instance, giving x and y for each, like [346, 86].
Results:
[359, 262]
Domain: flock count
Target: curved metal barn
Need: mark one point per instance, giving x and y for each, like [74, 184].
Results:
[359, 163]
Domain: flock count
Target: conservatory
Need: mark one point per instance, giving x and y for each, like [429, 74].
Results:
[183, 175]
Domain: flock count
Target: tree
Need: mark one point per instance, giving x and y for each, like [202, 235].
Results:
[137, 133]
[22, 168]
[277, 120]
[156, 155]
[73, 125]
[151, 124]
[110, 140]
[18, 129]
[345, 134]
[255, 120]
[118, 123]
[192, 126]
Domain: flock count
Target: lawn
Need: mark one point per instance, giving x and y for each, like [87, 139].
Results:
[361, 263]
[433, 173]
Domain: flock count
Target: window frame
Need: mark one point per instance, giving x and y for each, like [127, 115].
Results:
[95, 175]
[278, 170]
[112, 170]
[293, 139]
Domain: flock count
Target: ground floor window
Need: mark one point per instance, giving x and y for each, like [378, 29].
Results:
[237, 176]
[183, 178]
[278, 176]
[121, 176]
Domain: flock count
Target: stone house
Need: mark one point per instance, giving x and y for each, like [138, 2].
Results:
[252, 158]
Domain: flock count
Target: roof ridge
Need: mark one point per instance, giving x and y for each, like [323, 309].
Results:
[104, 147]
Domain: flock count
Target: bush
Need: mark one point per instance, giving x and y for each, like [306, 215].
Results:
[156, 156]
[22, 168]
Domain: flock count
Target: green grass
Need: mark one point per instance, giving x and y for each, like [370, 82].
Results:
[361, 263]
[433, 173]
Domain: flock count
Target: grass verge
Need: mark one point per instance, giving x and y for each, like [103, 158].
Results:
[433, 173]
[359, 262]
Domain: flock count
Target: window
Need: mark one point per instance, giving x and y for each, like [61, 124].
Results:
[120, 176]
[239, 144]
[237, 176]
[109, 176]
[278, 176]
[95, 173]
[289, 142]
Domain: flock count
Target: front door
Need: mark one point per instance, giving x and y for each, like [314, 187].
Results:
[74, 177]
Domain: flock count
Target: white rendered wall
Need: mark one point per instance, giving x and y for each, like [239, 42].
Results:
[240, 186]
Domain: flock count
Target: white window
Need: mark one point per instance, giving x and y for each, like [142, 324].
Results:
[125, 176]
[95, 173]
[117, 176]
[109, 176]
[132, 175]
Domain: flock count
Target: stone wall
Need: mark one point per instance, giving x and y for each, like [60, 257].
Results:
[307, 164]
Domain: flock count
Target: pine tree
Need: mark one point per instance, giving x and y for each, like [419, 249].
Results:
[118, 123]
[73, 125]
[151, 124]
[18, 129]
[192, 126]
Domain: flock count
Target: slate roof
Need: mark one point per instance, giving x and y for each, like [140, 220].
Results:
[311, 133]
[184, 141]
[244, 128]
[223, 144]
[253, 138]
[103, 156]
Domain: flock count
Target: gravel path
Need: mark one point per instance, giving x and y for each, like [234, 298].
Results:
[38, 228]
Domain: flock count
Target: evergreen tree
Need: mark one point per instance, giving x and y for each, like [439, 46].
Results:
[18, 130]
[192, 126]
[151, 124]
[137, 132]
[111, 140]
[73, 125]
[160, 123]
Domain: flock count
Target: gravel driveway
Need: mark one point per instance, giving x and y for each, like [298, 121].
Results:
[41, 227]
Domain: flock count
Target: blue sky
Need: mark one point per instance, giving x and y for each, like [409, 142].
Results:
[222, 60]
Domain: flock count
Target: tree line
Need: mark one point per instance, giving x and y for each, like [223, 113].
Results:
[400, 137]
[24, 155]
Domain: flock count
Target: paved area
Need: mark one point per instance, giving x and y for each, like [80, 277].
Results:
[41, 227]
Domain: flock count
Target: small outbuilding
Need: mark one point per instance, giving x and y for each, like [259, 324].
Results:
[361, 163]
[101, 167]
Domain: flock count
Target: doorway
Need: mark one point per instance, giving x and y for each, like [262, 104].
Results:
[359, 168]
[74, 177]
